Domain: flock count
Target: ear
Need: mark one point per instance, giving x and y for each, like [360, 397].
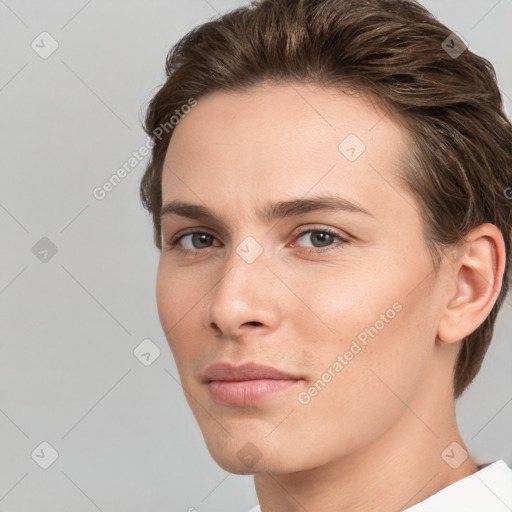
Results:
[477, 269]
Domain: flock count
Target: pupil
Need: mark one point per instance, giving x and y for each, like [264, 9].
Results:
[203, 238]
[326, 236]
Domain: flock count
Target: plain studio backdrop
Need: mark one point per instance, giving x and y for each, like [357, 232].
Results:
[77, 268]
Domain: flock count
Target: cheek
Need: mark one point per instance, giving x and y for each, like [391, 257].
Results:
[375, 336]
[166, 299]
[178, 304]
[358, 389]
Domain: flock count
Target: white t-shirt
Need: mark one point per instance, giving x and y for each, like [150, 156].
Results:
[487, 490]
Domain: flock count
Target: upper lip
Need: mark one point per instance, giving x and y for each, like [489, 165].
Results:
[247, 371]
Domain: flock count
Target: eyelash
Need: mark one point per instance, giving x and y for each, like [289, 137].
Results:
[173, 244]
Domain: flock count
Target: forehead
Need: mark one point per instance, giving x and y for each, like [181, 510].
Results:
[259, 114]
[278, 141]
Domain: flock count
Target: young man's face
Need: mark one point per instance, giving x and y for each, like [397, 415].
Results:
[352, 324]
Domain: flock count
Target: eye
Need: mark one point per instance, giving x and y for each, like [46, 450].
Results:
[196, 241]
[321, 239]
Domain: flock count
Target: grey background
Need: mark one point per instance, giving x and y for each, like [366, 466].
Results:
[123, 431]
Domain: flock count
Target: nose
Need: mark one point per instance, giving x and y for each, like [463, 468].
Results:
[246, 299]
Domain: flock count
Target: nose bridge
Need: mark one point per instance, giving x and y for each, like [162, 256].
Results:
[245, 268]
[241, 295]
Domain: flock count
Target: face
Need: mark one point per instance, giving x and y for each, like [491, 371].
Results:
[300, 251]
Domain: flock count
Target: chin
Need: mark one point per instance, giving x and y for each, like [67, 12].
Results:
[241, 458]
[247, 454]
[231, 462]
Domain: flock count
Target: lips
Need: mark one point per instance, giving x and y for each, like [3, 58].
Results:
[246, 384]
[247, 371]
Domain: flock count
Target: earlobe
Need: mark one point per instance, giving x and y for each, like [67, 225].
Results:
[478, 274]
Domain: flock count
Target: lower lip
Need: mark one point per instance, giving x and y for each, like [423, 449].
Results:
[247, 392]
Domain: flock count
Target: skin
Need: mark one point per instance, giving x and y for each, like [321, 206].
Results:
[372, 438]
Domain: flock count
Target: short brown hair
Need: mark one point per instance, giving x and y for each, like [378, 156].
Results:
[395, 50]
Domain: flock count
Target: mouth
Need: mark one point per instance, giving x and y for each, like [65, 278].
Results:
[247, 384]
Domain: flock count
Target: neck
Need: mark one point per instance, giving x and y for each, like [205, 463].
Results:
[400, 469]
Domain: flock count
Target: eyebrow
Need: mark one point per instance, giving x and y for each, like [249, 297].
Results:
[270, 212]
